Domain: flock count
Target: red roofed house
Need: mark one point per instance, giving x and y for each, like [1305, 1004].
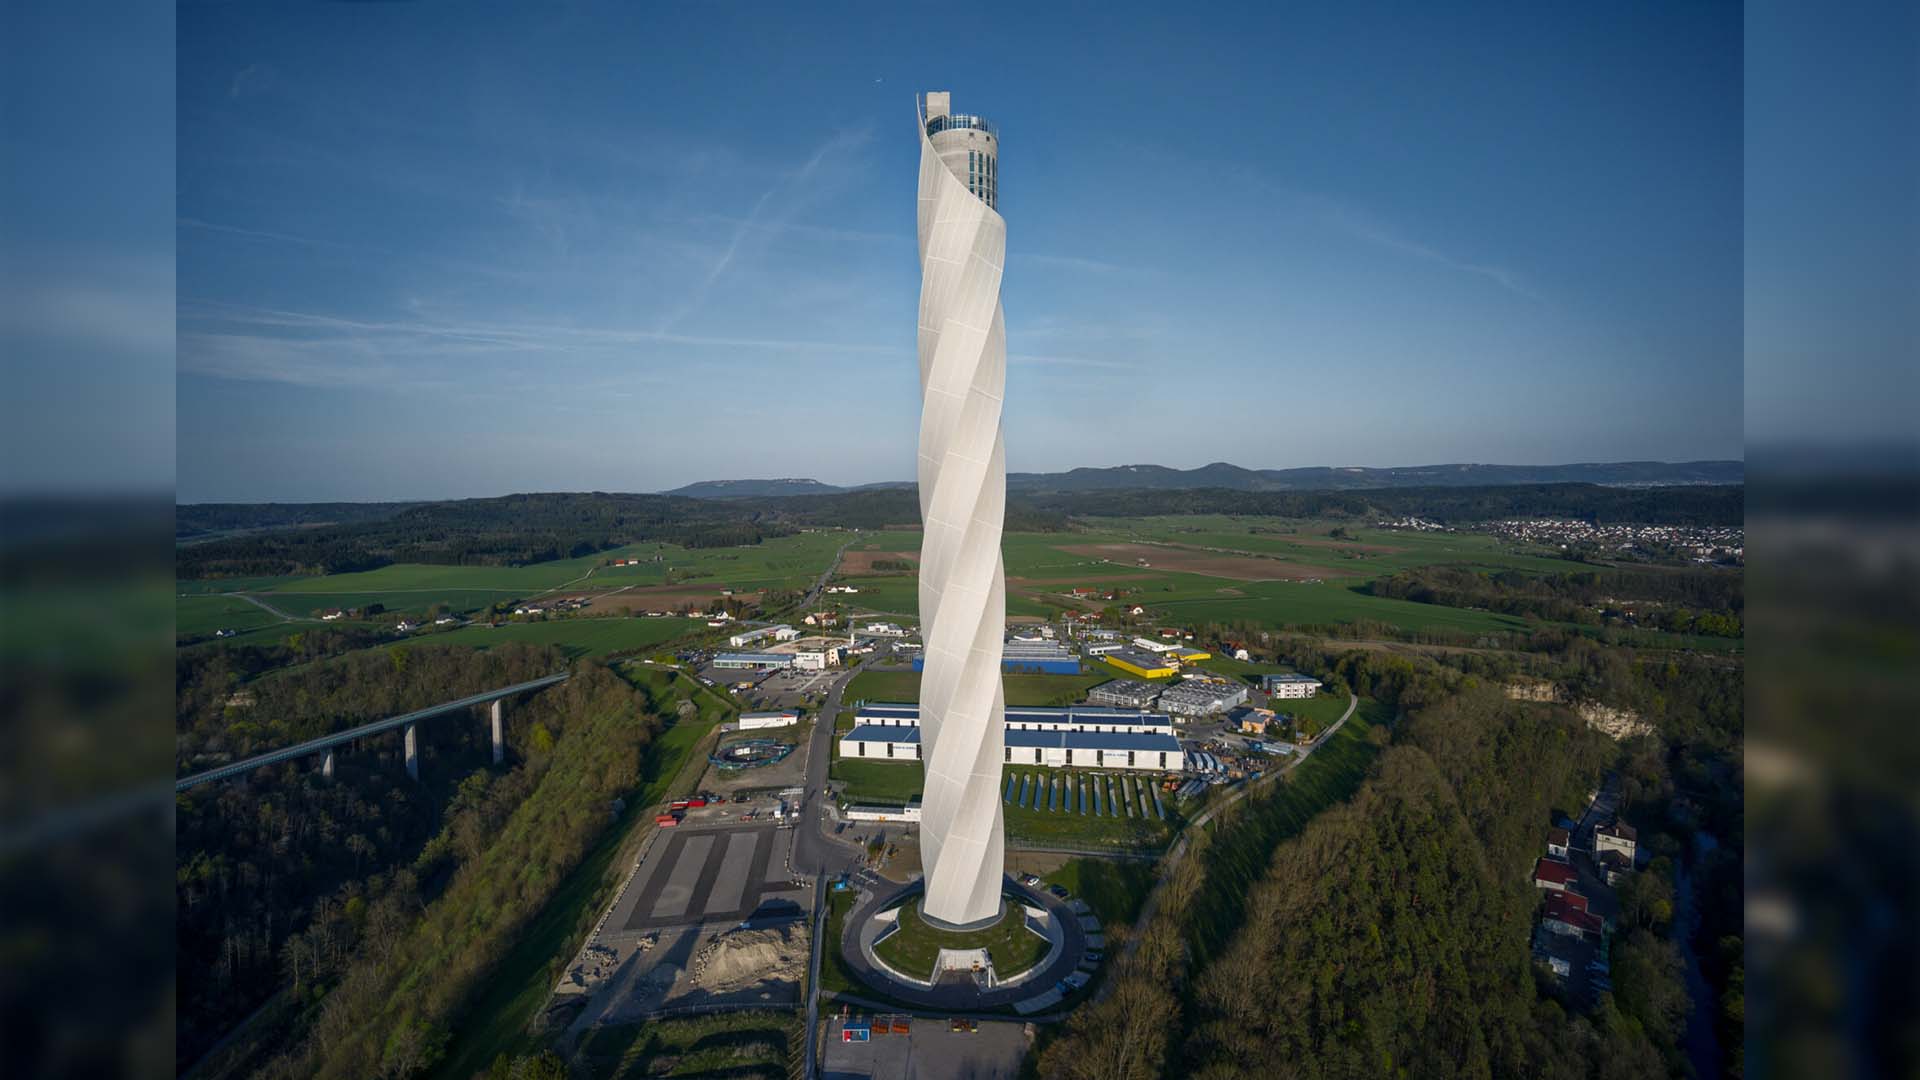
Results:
[1558, 876]
[1568, 916]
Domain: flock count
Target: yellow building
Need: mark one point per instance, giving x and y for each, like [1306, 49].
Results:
[1188, 655]
[1141, 664]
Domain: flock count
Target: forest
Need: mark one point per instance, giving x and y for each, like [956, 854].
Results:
[1686, 601]
[1391, 936]
[513, 530]
[286, 881]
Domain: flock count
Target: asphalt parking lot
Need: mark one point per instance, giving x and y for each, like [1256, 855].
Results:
[710, 875]
[930, 1051]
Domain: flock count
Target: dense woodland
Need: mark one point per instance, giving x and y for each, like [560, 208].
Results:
[260, 857]
[1391, 937]
[1690, 601]
[513, 530]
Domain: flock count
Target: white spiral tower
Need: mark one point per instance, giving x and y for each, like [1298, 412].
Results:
[963, 496]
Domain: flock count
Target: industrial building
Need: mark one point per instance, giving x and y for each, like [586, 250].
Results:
[1055, 748]
[1143, 664]
[1187, 654]
[1290, 685]
[783, 718]
[1202, 698]
[1149, 645]
[1103, 648]
[747, 637]
[1033, 718]
[746, 660]
[1023, 655]
[1125, 694]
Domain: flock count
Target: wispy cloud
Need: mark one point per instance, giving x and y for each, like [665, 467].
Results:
[1032, 360]
[314, 349]
[258, 234]
[1363, 226]
[759, 217]
[1072, 262]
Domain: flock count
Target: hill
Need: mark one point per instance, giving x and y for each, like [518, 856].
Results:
[1226, 476]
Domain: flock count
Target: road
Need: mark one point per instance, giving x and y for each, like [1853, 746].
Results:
[814, 593]
[269, 608]
[1179, 849]
[814, 853]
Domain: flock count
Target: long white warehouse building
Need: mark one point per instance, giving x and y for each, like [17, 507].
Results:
[1058, 748]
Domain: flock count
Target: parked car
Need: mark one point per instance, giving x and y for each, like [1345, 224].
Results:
[1059, 891]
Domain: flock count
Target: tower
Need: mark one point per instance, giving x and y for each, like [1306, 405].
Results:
[963, 494]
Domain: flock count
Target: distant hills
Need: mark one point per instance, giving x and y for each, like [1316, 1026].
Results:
[1221, 474]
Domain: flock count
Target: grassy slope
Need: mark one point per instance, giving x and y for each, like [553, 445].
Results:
[1113, 888]
[1239, 855]
[519, 984]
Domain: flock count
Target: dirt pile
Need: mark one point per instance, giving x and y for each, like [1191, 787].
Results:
[741, 958]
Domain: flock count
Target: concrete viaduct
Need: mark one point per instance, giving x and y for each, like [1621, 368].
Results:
[324, 746]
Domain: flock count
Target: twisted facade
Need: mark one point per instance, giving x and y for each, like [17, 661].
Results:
[963, 494]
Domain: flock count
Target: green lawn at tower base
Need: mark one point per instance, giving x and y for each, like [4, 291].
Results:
[916, 945]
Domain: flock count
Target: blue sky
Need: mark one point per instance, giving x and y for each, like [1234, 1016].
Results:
[426, 250]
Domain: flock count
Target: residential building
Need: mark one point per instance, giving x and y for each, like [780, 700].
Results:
[1290, 685]
[1555, 875]
[1557, 840]
[1617, 836]
[1566, 914]
[1614, 866]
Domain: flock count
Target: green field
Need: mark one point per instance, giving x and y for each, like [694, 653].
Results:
[888, 783]
[788, 562]
[914, 947]
[736, 1045]
[898, 782]
[1041, 570]
[873, 686]
[577, 637]
[1129, 831]
[196, 616]
[1113, 888]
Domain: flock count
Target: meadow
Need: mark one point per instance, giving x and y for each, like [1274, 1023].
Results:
[577, 637]
[413, 589]
[1219, 568]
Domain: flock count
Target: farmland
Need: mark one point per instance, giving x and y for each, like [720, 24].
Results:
[576, 637]
[666, 577]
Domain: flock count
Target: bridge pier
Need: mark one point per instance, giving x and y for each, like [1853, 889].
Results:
[413, 752]
[326, 763]
[498, 712]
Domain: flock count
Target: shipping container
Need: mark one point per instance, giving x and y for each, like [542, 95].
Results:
[665, 821]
